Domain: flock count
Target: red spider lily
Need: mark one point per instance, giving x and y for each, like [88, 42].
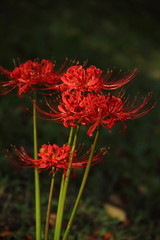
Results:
[107, 110]
[30, 75]
[56, 158]
[92, 79]
[71, 109]
[96, 109]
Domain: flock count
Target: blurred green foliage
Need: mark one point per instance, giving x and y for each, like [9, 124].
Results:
[122, 34]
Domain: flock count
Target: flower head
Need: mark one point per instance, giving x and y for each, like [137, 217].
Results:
[94, 110]
[71, 109]
[31, 75]
[55, 158]
[107, 110]
[92, 79]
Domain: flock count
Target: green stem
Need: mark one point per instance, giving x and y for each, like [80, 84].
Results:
[49, 207]
[64, 187]
[37, 184]
[70, 137]
[66, 234]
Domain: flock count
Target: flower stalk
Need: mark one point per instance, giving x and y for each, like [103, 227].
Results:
[49, 206]
[85, 176]
[64, 187]
[36, 174]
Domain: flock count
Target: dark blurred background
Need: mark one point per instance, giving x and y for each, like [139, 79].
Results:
[121, 34]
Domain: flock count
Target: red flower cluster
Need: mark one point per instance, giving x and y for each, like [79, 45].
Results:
[82, 100]
[96, 110]
[81, 90]
[30, 75]
[56, 158]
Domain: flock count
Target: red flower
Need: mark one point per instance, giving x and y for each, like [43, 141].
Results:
[107, 110]
[30, 75]
[70, 109]
[55, 158]
[92, 79]
[96, 110]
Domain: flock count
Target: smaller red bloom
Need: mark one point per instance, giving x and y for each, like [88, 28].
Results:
[55, 158]
[92, 79]
[31, 75]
